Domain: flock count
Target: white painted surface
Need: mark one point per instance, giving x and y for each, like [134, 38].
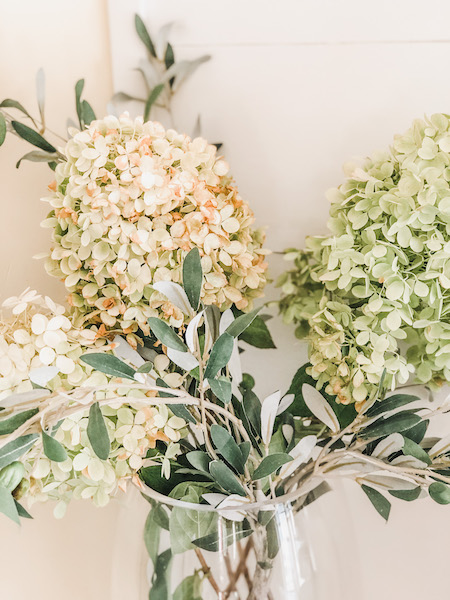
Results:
[294, 89]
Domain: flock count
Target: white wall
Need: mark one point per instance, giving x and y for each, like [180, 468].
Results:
[293, 90]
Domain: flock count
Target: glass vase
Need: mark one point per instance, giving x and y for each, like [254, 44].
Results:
[198, 553]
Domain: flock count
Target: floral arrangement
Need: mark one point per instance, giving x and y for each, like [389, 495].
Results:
[372, 295]
[129, 202]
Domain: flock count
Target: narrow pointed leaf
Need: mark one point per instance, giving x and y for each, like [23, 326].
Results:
[193, 277]
[8, 506]
[2, 128]
[380, 503]
[79, 86]
[227, 447]
[152, 98]
[221, 388]
[240, 324]
[225, 477]
[270, 464]
[394, 424]
[320, 407]
[166, 335]
[16, 449]
[53, 450]
[144, 35]
[269, 411]
[87, 112]
[220, 355]
[258, 335]
[31, 136]
[391, 403]
[407, 495]
[175, 293]
[412, 449]
[22, 512]
[109, 364]
[98, 433]
[7, 426]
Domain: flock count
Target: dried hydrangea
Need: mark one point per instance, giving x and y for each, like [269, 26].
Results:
[129, 203]
[40, 336]
[384, 270]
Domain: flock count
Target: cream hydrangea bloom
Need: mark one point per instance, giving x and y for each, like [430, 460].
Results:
[39, 335]
[383, 272]
[129, 203]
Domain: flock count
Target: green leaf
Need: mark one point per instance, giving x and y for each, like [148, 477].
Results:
[145, 368]
[16, 448]
[391, 403]
[410, 448]
[221, 388]
[407, 495]
[98, 433]
[37, 156]
[144, 35]
[8, 103]
[190, 588]
[258, 335]
[186, 525]
[193, 277]
[382, 505]
[109, 364]
[8, 506]
[417, 432]
[2, 128]
[169, 60]
[227, 447]
[12, 475]
[226, 478]
[152, 477]
[252, 409]
[79, 86]
[270, 464]
[152, 98]
[7, 426]
[87, 112]
[22, 511]
[233, 533]
[166, 335]
[179, 410]
[53, 449]
[33, 137]
[160, 584]
[199, 460]
[220, 355]
[273, 542]
[440, 492]
[393, 424]
[245, 448]
[242, 322]
[152, 534]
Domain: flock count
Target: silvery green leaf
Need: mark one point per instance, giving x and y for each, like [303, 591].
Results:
[16, 449]
[185, 360]
[269, 408]
[15, 399]
[226, 478]
[221, 388]
[285, 403]
[166, 335]
[8, 506]
[108, 364]
[9, 425]
[53, 450]
[98, 433]
[2, 128]
[43, 375]
[320, 407]
[152, 98]
[440, 447]
[124, 351]
[220, 355]
[392, 443]
[143, 33]
[388, 482]
[270, 464]
[38, 156]
[32, 137]
[240, 324]
[227, 447]
[300, 453]
[381, 504]
[410, 448]
[193, 277]
[191, 334]
[440, 492]
[12, 475]
[225, 320]
[175, 294]
[409, 462]
[40, 92]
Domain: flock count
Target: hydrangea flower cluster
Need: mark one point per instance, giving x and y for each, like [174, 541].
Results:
[129, 203]
[39, 335]
[384, 270]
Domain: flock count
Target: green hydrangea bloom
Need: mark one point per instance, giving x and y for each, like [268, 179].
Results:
[374, 294]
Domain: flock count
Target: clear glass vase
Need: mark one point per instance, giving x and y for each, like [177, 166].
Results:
[197, 553]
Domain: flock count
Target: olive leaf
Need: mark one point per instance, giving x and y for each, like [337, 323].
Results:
[8, 506]
[16, 448]
[53, 450]
[98, 433]
[220, 355]
[270, 464]
[144, 35]
[221, 388]
[193, 277]
[240, 324]
[7, 426]
[2, 128]
[31, 136]
[227, 447]
[226, 478]
[320, 407]
[166, 335]
[109, 364]
[152, 98]
[381, 504]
